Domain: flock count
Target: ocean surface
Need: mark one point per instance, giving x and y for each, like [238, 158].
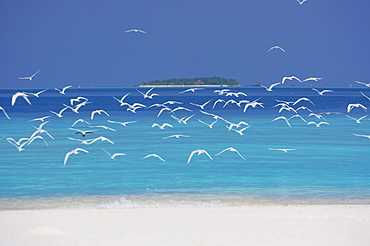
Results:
[325, 164]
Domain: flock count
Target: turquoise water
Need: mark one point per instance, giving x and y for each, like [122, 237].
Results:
[328, 164]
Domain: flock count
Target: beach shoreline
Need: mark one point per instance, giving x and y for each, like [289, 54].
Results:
[191, 225]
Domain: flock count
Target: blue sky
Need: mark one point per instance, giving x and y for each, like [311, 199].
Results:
[83, 43]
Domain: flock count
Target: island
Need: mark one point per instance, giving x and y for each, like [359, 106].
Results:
[201, 82]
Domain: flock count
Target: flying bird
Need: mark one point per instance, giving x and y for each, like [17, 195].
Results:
[7, 116]
[271, 86]
[136, 30]
[153, 155]
[63, 90]
[231, 149]
[75, 151]
[359, 135]
[20, 94]
[321, 93]
[146, 94]
[199, 152]
[191, 90]
[317, 124]
[82, 132]
[162, 127]
[366, 84]
[37, 94]
[98, 111]
[358, 121]
[201, 105]
[30, 77]
[176, 136]
[114, 155]
[276, 47]
[121, 123]
[357, 105]
[284, 150]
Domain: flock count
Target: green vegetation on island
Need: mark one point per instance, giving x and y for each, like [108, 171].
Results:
[208, 81]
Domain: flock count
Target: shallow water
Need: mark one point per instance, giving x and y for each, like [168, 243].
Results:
[328, 163]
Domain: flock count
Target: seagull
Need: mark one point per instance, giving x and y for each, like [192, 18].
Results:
[276, 47]
[357, 120]
[80, 120]
[121, 123]
[241, 130]
[271, 86]
[162, 127]
[146, 95]
[237, 125]
[101, 138]
[311, 78]
[114, 155]
[209, 125]
[191, 90]
[30, 77]
[40, 119]
[199, 151]
[18, 144]
[366, 84]
[236, 94]
[176, 136]
[75, 151]
[37, 94]
[99, 111]
[36, 137]
[180, 108]
[201, 105]
[136, 30]
[184, 119]
[253, 104]
[153, 155]
[218, 101]
[290, 78]
[352, 105]
[20, 94]
[104, 127]
[7, 116]
[63, 91]
[82, 132]
[77, 100]
[121, 101]
[318, 124]
[60, 112]
[221, 92]
[318, 116]
[303, 99]
[77, 107]
[282, 118]
[40, 130]
[321, 93]
[284, 150]
[231, 149]
[301, 2]
[365, 136]
[368, 98]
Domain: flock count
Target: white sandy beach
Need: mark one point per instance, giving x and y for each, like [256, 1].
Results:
[239, 225]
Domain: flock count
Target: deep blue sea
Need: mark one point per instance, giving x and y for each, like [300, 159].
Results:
[323, 165]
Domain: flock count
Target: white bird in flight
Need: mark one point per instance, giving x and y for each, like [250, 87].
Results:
[357, 105]
[63, 90]
[191, 90]
[284, 150]
[154, 155]
[136, 30]
[7, 116]
[20, 94]
[146, 94]
[30, 77]
[276, 47]
[98, 111]
[176, 136]
[75, 151]
[271, 86]
[358, 121]
[162, 127]
[121, 123]
[114, 155]
[317, 124]
[321, 93]
[359, 135]
[231, 149]
[366, 84]
[37, 94]
[199, 152]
